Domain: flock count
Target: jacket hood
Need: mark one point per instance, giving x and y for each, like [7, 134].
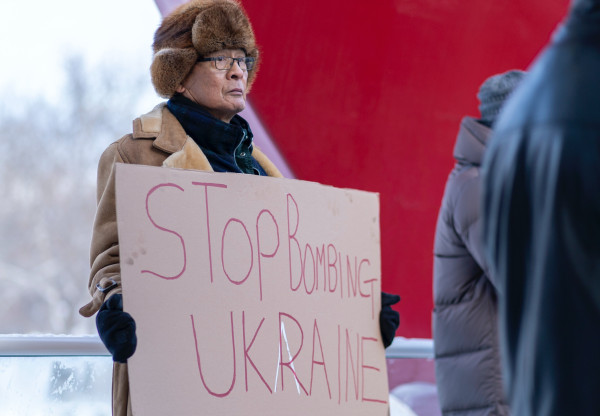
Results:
[471, 141]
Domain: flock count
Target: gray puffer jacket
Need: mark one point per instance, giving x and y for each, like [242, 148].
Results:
[467, 358]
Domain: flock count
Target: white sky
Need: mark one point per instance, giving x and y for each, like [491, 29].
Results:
[37, 35]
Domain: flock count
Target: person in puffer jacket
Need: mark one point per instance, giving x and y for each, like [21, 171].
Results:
[467, 358]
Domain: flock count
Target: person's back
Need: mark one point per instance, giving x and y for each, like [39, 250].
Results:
[467, 358]
[541, 212]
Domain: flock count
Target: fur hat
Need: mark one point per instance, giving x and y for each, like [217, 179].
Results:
[194, 30]
[494, 91]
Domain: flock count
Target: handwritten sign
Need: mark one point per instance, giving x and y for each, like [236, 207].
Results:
[251, 295]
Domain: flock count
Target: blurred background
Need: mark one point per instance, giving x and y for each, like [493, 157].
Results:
[73, 76]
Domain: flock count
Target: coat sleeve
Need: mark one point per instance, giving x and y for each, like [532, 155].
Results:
[105, 275]
[468, 222]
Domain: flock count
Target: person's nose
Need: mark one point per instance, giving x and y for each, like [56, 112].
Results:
[235, 71]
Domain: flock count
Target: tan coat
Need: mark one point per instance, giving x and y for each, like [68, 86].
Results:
[157, 140]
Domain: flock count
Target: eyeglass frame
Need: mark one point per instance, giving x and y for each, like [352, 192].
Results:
[248, 61]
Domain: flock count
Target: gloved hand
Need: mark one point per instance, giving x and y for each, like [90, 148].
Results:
[116, 329]
[389, 319]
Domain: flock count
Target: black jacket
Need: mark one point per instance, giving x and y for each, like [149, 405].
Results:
[541, 213]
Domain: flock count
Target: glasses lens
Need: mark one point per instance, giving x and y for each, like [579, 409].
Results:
[225, 63]
[222, 63]
[249, 63]
[242, 63]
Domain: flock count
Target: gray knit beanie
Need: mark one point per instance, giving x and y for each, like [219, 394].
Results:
[494, 91]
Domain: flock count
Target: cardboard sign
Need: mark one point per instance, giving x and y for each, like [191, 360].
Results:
[251, 295]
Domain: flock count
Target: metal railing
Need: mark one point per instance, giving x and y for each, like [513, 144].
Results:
[410, 348]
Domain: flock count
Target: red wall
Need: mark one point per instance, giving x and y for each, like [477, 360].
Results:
[369, 95]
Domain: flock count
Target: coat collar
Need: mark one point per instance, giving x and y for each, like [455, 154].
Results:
[161, 125]
[471, 141]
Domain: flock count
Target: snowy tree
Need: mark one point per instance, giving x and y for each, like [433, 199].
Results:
[48, 158]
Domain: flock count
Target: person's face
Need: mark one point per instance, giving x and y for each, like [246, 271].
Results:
[221, 92]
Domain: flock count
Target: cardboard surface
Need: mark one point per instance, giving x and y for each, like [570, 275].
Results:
[251, 295]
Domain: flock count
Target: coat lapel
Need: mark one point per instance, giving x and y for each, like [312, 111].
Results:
[170, 138]
[184, 152]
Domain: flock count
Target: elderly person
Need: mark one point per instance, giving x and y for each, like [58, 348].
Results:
[205, 61]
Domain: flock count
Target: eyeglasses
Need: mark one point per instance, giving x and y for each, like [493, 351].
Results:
[225, 63]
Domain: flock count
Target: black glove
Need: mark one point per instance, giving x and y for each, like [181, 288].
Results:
[116, 329]
[389, 319]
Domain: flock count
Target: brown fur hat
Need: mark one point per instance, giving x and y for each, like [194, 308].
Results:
[194, 30]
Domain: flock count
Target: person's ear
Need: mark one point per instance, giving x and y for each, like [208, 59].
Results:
[180, 89]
